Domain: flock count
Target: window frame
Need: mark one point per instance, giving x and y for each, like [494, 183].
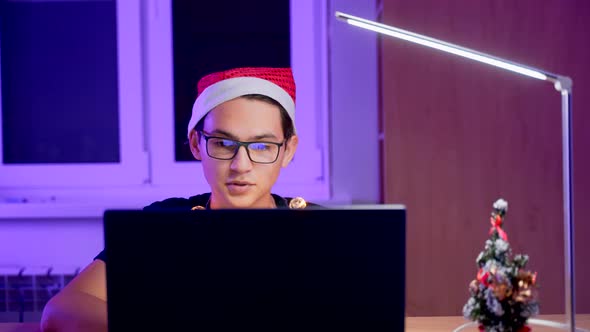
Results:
[132, 167]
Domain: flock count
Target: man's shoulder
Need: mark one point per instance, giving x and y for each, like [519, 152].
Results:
[179, 203]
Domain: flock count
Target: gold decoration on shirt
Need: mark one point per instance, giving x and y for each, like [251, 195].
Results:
[297, 203]
[200, 207]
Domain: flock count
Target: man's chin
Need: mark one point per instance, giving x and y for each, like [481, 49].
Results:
[240, 201]
[234, 190]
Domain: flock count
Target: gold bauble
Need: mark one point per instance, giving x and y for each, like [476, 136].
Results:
[297, 203]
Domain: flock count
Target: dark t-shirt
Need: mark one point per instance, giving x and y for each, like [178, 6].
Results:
[200, 201]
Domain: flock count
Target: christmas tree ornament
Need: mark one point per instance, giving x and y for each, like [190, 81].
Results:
[503, 295]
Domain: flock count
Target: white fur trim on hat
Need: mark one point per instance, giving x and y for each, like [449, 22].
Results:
[231, 88]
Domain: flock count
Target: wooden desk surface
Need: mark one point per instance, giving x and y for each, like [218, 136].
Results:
[449, 323]
[413, 324]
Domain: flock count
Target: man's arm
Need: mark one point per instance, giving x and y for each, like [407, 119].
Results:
[81, 305]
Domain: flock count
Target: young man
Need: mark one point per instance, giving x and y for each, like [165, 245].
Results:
[242, 130]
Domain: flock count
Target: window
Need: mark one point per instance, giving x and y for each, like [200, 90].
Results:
[169, 43]
[90, 107]
[65, 120]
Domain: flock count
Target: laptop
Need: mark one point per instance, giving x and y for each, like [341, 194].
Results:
[334, 269]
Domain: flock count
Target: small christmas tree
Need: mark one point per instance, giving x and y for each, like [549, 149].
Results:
[503, 295]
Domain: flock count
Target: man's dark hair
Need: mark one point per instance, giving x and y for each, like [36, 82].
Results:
[286, 122]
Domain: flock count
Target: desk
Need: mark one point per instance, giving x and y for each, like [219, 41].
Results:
[413, 324]
[449, 323]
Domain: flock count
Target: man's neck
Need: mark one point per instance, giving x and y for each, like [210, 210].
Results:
[268, 202]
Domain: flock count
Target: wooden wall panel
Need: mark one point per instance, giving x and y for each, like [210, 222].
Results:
[459, 134]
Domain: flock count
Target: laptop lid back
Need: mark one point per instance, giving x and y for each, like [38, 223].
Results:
[263, 270]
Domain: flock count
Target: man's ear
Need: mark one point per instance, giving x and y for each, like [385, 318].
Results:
[290, 150]
[193, 140]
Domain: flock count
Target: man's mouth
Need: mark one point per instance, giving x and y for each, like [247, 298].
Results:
[239, 183]
[239, 187]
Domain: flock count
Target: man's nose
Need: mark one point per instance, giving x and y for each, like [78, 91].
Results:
[241, 161]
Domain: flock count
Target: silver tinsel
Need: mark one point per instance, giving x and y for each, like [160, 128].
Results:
[501, 205]
[492, 303]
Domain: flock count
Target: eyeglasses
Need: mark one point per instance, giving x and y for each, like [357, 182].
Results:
[226, 149]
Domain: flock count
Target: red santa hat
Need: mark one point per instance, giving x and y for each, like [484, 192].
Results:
[217, 88]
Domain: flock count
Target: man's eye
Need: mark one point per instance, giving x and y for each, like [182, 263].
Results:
[224, 143]
[260, 146]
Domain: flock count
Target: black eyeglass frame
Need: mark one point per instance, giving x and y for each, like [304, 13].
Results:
[246, 145]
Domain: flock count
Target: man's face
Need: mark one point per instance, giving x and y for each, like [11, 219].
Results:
[241, 183]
